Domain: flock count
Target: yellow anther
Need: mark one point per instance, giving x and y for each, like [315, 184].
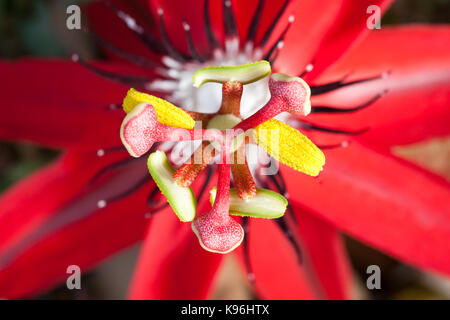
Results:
[168, 114]
[290, 147]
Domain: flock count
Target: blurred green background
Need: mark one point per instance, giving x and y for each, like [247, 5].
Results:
[30, 28]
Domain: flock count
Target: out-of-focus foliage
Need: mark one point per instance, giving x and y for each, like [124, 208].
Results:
[25, 29]
[418, 11]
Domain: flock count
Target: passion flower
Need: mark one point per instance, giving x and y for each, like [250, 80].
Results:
[96, 200]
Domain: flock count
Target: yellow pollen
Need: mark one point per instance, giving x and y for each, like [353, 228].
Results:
[290, 147]
[168, 114]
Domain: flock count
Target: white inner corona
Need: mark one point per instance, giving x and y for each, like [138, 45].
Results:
[207, 98]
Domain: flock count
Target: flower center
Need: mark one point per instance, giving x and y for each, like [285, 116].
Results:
[150, 119]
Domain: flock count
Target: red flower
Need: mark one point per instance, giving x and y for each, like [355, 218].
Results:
[93, 201]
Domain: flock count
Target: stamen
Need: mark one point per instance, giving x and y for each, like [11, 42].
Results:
[325, 88]
[290, 147]
[323, 109]
[167, 113]
[274, 23]
[208, 28]
[173, 52]
[125, 79]
[229, 21]
[255, 22]
[194, 53]
[145, 37]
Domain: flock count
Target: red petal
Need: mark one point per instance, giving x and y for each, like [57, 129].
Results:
[326, 250]
[277, 271]
[52, 220]
[313, 19]
[324, 272]
[172, 264]
[175, 12]
[383, 201]
[105, 23]
[416, 105]
[349, 24]
[58, 103]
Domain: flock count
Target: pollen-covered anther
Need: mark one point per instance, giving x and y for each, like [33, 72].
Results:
[290, 147]
[140, 129]
[167, 113]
